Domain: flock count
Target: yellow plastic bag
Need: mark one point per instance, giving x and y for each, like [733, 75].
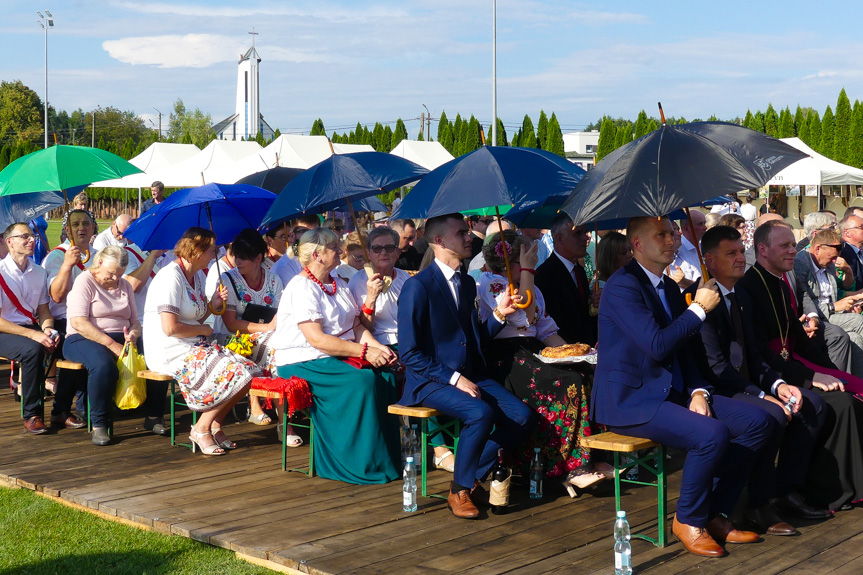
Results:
[131, 389]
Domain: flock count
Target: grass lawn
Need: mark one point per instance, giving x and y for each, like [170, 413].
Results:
[39, 536]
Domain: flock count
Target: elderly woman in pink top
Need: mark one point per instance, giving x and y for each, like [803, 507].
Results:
[102, 318]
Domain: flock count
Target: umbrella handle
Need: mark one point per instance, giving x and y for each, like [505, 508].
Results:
[219, 311]
[86, 257]
[528, 299]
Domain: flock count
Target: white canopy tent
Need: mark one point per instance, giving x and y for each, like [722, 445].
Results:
[816, 170]
[212, 164]
[154, 161]
[429, 155]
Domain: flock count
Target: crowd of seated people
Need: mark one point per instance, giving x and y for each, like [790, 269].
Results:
[752, 374]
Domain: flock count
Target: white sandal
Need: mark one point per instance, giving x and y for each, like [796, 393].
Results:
[291, 440]
[211, 449]
[438, 461]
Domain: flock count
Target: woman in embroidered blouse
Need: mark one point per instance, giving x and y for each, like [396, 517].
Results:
[211, 378]
[317, 332]
[249, 282]
[559, 393]
[102, 317]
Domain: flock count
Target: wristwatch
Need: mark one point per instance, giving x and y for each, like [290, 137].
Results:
[706, 395]
[831, 308]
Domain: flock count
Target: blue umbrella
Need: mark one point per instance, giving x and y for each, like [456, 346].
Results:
[225, 209]
[490, 176]
[25, 207]
[339, 178]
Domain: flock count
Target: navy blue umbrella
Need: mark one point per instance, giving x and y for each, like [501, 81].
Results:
[224, 208]
[341, 177]
[677, 166]
[25, 207]
[541, 214]
[273, 180]
[488, 177]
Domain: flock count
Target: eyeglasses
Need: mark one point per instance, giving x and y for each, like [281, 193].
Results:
[25, 237]
[389, 248]
[827, 227]
[854, 228]
[358, 257]
[838, 247]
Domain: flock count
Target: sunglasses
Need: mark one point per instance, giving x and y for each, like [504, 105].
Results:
[389, 248]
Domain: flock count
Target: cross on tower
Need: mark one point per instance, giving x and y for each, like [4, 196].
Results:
[253, 34]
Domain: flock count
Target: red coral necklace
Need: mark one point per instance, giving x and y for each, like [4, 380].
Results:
[320, 284]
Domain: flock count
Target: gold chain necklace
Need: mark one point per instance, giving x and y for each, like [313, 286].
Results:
[782, 340]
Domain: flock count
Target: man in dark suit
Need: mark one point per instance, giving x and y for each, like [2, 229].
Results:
[440, 343]
[409, 257]
[851, 228]
[565, 285]
[648, 384]
[741, 373]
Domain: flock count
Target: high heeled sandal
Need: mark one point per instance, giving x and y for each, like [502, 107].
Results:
[222, 439]
[260, 419]
[291, 439]
[211, 449]
[576, 484]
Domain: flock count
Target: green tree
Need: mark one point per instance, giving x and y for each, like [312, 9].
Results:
[541, 130]
[278, 133]
[827, 124]
[814, 120]
[620, 135]
[771, 121]
[652, 126]
[640, 124]
[20, 113]
[758, 121]
[607, 134]
[554, 137]
[473, 141]
[318, 128]
[501, 134]
[747, 120]
[527, 138]
[803, 132]
[399, 134]
[184, 126]
[799, 120]
[855, 146]
[842, 128]
[420, 137]
[786, 124]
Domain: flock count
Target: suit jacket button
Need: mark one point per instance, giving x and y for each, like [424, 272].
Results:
[463, 343]
[665, 390]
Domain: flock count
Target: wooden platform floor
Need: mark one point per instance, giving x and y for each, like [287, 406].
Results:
[244, 502]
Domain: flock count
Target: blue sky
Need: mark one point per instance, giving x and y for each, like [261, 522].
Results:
[377, 61]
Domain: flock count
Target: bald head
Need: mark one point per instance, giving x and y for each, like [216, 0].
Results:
[495, 227]
[118, 229]
[699, 226]
[771, 217]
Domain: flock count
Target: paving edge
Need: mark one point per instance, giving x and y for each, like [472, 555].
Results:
[271, 565]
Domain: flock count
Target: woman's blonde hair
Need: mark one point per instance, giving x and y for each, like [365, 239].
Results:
[312, 241]
[113, 253]
[193, 243]
[352, 241]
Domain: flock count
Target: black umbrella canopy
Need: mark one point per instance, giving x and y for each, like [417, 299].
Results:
[273, 180]
[677, 166]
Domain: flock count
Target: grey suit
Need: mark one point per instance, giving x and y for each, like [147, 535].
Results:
[808, 292]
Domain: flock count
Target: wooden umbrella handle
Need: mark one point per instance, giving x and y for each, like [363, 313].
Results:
[221, 310]
[528, 300]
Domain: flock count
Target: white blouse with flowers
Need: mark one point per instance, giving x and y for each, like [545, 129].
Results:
[240, 294]
[489, 289]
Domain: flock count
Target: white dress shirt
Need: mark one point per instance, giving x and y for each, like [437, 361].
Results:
[687, 260]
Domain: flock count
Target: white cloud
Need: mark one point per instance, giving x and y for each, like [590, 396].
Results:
[193, 51]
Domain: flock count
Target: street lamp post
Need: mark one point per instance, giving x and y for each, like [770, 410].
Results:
[45, 22]
[428, 123]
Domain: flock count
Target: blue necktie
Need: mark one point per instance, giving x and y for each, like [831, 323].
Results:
[676, 373]
[660, 291]
[456, 279]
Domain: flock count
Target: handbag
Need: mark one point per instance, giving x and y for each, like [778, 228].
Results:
[254, 313]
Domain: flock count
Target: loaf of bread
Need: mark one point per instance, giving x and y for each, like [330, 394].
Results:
[568, 350]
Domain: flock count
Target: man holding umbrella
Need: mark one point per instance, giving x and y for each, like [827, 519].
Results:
[647, 384]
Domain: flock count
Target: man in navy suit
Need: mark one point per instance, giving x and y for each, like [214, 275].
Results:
[851, 228]
[440, 343]
[647, 384]
[742, 373]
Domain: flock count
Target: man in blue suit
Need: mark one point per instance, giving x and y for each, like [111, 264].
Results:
[647, 384]
[440, 343]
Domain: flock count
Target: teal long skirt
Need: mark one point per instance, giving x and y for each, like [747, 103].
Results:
[356, 440]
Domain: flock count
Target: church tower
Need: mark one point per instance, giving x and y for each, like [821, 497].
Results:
[247, 120]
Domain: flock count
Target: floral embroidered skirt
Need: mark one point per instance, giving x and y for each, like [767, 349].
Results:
[560, 394]
[211, 375]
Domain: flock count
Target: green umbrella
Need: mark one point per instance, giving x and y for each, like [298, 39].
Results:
[489, 211]
[61, 168]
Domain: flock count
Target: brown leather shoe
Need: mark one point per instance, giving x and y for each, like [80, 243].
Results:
[67, 420]
[696, 539]
[34, 425]
[478, 494]
[766, 520]
[461, 505]
[723, 531]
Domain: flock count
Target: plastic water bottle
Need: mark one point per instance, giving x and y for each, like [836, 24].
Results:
[416, 448]
[536, 474]
[407, 450]
[409, 489]
[622, 548]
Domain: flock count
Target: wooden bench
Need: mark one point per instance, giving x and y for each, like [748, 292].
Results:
[176, 400]
[653, 462]
[282, 396]
[451, 429]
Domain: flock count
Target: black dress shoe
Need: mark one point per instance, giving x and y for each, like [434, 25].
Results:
[156, 425]
[767, 521]
[794, 504]
[100, 436]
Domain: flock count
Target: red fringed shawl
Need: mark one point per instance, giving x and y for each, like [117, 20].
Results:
[296, 391]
